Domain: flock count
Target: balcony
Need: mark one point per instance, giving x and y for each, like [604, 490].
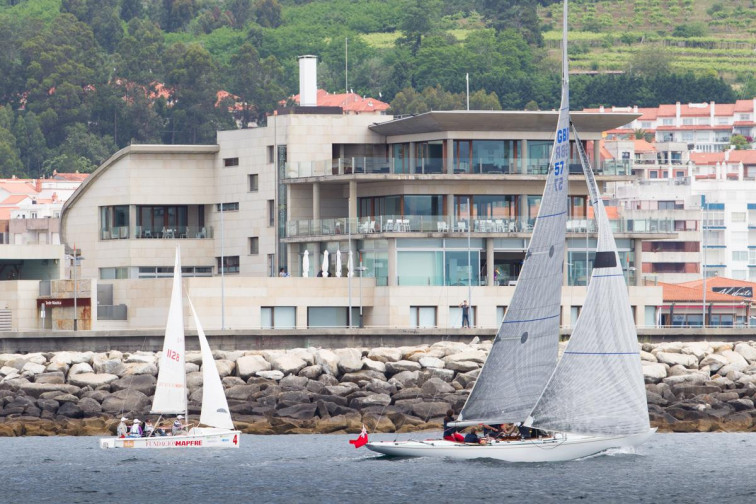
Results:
[452, 225]
[143, 232]
[437, 166]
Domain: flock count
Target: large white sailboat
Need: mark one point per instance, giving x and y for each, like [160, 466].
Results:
[592, 399]
[217, 428]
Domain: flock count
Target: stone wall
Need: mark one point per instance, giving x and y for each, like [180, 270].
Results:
[702, 386]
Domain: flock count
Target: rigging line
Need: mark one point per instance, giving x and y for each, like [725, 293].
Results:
[604, 276]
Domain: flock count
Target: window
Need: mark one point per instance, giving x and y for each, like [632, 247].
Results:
[254, 245]
[114, 273]
[271, 213]
[422, 316]
[270, 154]
[668, 121]
[253, 182]
[167, 271]
[230, 264]
[500, 312]
[234, 161]
[114, 222]
[739, 274]
[271, 265]
[329, 316]
[738, 216]
[228, 207]
[740, 255]
[687, 121]
[278, 317]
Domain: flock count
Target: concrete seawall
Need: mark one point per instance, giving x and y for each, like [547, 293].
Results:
[273, 339]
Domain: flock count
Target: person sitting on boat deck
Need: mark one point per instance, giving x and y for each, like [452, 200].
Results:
[452, 433]
[179, 428]
[150, 430]
[136, 429]
[492, 431]
[122, 428]
[473, 438]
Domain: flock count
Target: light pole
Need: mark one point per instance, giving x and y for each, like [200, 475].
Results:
[361, 268]
[223, 270]
[75, 263]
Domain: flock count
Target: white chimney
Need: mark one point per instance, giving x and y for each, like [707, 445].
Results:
[308, 81]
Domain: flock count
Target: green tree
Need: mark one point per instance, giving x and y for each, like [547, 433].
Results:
[257, 82]
[31, 142]
[739, 142]
[268, 13]
[175, 15]
[650, 61]
[192, 77]
[480, 100]
[418, 21]
[141, 52]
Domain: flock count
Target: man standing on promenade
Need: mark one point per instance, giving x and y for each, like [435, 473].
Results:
[465, 314]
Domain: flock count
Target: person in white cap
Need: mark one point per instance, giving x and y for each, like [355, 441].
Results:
[136, 429]
[122, 428]
[178, 428]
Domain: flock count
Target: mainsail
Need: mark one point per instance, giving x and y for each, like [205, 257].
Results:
[170, 390]
[597, 387]
[214, 405]
[524, 351]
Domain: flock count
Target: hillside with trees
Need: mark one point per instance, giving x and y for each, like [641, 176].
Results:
[84, 78]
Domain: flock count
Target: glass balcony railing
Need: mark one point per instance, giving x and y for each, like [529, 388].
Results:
[446, 224]
[437, 166]
[146, 232]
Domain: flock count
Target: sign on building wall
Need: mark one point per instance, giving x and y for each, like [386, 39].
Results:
[739, 291]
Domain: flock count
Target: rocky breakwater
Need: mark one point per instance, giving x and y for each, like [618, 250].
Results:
[701, 386]
[690, 386]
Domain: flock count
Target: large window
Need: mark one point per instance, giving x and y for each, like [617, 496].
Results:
[278, 317]
[114, 222]
[422, 316]
[230, 264]
[485, 156]
[155, 221]
[446, 262]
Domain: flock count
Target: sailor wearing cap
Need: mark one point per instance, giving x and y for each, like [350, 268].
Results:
[178, 428]
[136, 429]
[122, 428]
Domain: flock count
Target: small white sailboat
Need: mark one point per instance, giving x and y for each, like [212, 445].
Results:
[170, 398]
[593, 399]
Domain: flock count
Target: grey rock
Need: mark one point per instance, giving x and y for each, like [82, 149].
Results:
[741, 404]
[271, 375]
[242, 392]
[430, 409]
[125, 400]
[232, 381]
[370, 400]
[407, 393]
[55, 377]
[363, 375]
[385, 354]
[373, 365]
[381, 387]
[406, 379]
[311, 372]
[298, 411]
[350, 359]
[140, 368]
[436, 386]
[37, 389]
[292, 397]
[70, 410]
[293, 382]
[342, 390]
[328, 379]
[64, 398]
[316, 387]
[83, 379]
[286, 363]
[89, 407]
[194, 380]
[144, 383]
[48, 404]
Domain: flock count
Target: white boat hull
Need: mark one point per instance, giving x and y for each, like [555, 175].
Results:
[199, 437]
[560, 448]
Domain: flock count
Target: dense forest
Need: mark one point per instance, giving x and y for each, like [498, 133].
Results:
[80, 79]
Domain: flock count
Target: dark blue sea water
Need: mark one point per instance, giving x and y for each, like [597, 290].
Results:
[670, 468]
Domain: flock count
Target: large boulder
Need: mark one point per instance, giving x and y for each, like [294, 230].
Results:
[145, 357]
[32, 368]
[715, 362]
[747, 351]
[287, 363]
[370, 400]
[298, 411]
[248, 365]
[91, 379]
[273, 374]
[144, 383]
[125, 401]
[194, 380]
[55, 377]
[406, 379]
[373, 365]
[689, 361]
[385, 354]
[225, 367]
[139, 368]
[431, 362]
[427, 410]
[70, 410]
[89, 407]
[78, 368]
[350, 359]
[476, 356]
[435, 387]
[37, 389]
[735, 359]
[328, 360]
[402, 365]
[653, 372]
[311, 372]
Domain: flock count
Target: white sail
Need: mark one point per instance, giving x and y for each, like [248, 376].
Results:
[214, 405]
[170, 391]
[524, 352]
[598, 385]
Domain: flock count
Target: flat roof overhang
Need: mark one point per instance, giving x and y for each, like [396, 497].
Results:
[495, 120]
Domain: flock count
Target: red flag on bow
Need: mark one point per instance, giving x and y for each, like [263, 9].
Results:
[361, 440]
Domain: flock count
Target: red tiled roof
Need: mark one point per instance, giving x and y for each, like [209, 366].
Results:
[718, 281]
[743, 156]
[643, 146]
[14, 199]
[707, 158]
[682, 292]
[744, 106]
[350, 102]
[722, 127]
